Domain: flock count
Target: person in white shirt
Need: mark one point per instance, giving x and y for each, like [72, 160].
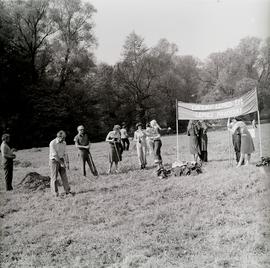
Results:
[154, 135]
[115, 149]
[58, 160]
[140, 139]
[124, 137]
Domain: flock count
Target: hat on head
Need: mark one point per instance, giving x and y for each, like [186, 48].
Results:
[5, 136]
[138, 124]
[116, 127]
[61, 134]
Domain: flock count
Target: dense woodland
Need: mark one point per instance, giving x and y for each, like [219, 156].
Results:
[50, 79]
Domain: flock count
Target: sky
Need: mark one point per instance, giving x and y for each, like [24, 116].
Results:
[197, 27]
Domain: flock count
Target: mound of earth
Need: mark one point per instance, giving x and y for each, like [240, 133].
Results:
[34, 181]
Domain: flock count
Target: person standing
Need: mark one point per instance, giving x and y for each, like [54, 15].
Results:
[193, 133]
[124, 137]
[140, 139]
[234, 128]
[58, 161]
[155, 137]
[82, 143]
[247, 146]
[203, 140]
[7, 160]
[116, 149]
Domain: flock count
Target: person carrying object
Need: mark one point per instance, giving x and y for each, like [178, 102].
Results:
[58, 162]
[82, 143]
[115, 149]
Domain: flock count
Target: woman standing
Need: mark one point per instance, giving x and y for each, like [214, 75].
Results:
[247, 146]
[234, 128]
[193, 133]
[154, 136]
[115, 151]
[203, 140]
[140, 139]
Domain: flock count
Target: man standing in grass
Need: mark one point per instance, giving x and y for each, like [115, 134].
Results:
[59, 162]
[7, 161]
[83, 144]
[124, 137]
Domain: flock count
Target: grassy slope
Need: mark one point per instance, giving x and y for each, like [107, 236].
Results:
[220, 218]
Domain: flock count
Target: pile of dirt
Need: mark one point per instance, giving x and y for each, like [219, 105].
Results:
[33, 181]
[187, 168]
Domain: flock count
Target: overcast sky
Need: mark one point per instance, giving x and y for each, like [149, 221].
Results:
[197, 27]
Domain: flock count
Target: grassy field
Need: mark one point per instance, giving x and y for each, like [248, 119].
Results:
[220, 218]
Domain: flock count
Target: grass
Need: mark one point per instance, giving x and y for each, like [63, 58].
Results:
[220, 218]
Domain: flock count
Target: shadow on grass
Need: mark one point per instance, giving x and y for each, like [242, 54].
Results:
[85, 191]
[219, 160]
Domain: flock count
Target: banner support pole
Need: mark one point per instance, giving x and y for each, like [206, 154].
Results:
[229, 144]
[177, 141]
[259, 124]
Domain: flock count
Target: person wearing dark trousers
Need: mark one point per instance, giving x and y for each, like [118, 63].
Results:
[156, 138]
[236, 139]
[203, 140]
[7, 161]
[234, 128]
[115, 148]
[124, 137]
[82, 142]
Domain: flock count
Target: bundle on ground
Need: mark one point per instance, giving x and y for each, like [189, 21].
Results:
[34, 181]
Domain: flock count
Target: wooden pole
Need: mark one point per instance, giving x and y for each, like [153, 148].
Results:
[260, 134]
[177, 141]
[229, 144]
[259, 125]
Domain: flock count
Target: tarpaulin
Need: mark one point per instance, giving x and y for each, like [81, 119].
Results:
[239, 106]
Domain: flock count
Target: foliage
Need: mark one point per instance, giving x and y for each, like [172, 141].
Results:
[49, 78]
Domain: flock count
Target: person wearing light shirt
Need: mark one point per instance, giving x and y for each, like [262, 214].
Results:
[140, 139]
[154, 134]
[58, 163]
[124, 137]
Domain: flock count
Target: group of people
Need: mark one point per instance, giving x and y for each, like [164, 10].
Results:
[59, 161]
[242, 141]
[197, 132]
[241, 138]
[147, 140]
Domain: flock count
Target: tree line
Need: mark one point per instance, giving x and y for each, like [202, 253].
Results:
[50, 79]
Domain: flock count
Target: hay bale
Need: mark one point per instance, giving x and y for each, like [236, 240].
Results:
[33, 181]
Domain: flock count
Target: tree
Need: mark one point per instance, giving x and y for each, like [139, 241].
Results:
[135, 75]
[32, 27]
[263, 66]
[248, 49]
[74, 36]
